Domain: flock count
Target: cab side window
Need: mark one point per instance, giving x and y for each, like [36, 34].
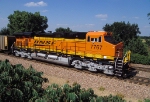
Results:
[100, 39]
[88, 39]
[92, 39]
[96, 39]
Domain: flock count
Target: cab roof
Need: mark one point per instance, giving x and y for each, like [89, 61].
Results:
[98, 33]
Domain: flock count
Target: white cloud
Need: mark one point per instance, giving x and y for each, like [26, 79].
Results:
[2, 18]
[102, 16]
[146, 26]
[44, 10]
[135, 17]
[89, 25]
[35, 4]
[124, 17]
[77, 26]
[61, 24]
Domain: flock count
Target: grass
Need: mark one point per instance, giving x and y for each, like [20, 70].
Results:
[75, 83]
[67, 81]
[101, 88]
[120, 95]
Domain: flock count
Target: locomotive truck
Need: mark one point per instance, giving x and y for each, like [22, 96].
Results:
[93, 50]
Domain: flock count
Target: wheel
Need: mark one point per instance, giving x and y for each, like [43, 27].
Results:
[77, 63]
[124, 76]
[16, 54]
[29, 57]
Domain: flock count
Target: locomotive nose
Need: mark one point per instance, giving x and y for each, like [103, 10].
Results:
[119, 50]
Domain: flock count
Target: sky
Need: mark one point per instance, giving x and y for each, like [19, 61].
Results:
[82, 15]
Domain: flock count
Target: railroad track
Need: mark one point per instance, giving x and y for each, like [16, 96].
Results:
[134, 79]
[140, 69]
[140, 80]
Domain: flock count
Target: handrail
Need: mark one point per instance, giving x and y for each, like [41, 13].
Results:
[126, 57]
[117, 58]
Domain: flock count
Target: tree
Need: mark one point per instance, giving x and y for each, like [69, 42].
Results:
[22, 21]
[128, 33]
[61, 29]
[4, 31]
[122, 31]
[148, 16]
[137, 46]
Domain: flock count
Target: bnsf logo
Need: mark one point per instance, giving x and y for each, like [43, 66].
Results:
[43, 42]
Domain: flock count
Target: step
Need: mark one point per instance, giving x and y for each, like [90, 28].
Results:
[118, 74]
[119, 60]
[118, 69]
[119, 63]
[119, 66]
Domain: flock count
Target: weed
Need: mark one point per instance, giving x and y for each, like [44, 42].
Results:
[67, 81]
[120, 95]
[75, 83]
[101, 88]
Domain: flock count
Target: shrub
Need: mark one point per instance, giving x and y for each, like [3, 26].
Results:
[147, 100]
[137, 46]
[109, 98]
[101, 88]
[18, 84]
[140, 59]
[120, 95]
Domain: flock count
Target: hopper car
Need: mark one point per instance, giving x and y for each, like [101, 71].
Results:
[93, 50]
[6, 42]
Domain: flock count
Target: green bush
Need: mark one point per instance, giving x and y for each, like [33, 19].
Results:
[140, 59]
[74, 93]
[18, 84]
[109, 98]
[137, 46]
[147, 100]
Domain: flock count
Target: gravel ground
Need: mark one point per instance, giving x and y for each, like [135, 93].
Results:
[140, 65]
[127, 89]
[143, 74]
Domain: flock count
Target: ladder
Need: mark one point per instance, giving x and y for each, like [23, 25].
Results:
[120, 62]
[119, 67]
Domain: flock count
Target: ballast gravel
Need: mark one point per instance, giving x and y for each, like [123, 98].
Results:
[127, 89]
[142, 73]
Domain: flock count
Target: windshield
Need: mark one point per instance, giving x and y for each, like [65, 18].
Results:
[110, 39]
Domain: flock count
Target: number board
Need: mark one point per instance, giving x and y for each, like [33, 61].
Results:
[96, 47]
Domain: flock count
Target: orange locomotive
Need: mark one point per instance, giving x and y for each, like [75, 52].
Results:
[95, 51]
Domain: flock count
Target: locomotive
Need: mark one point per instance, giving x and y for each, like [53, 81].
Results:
[93, 50]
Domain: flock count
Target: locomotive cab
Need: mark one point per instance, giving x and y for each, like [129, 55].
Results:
[103, 45]
[108, 52]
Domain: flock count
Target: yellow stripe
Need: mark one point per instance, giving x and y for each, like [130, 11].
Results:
[49, 38]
